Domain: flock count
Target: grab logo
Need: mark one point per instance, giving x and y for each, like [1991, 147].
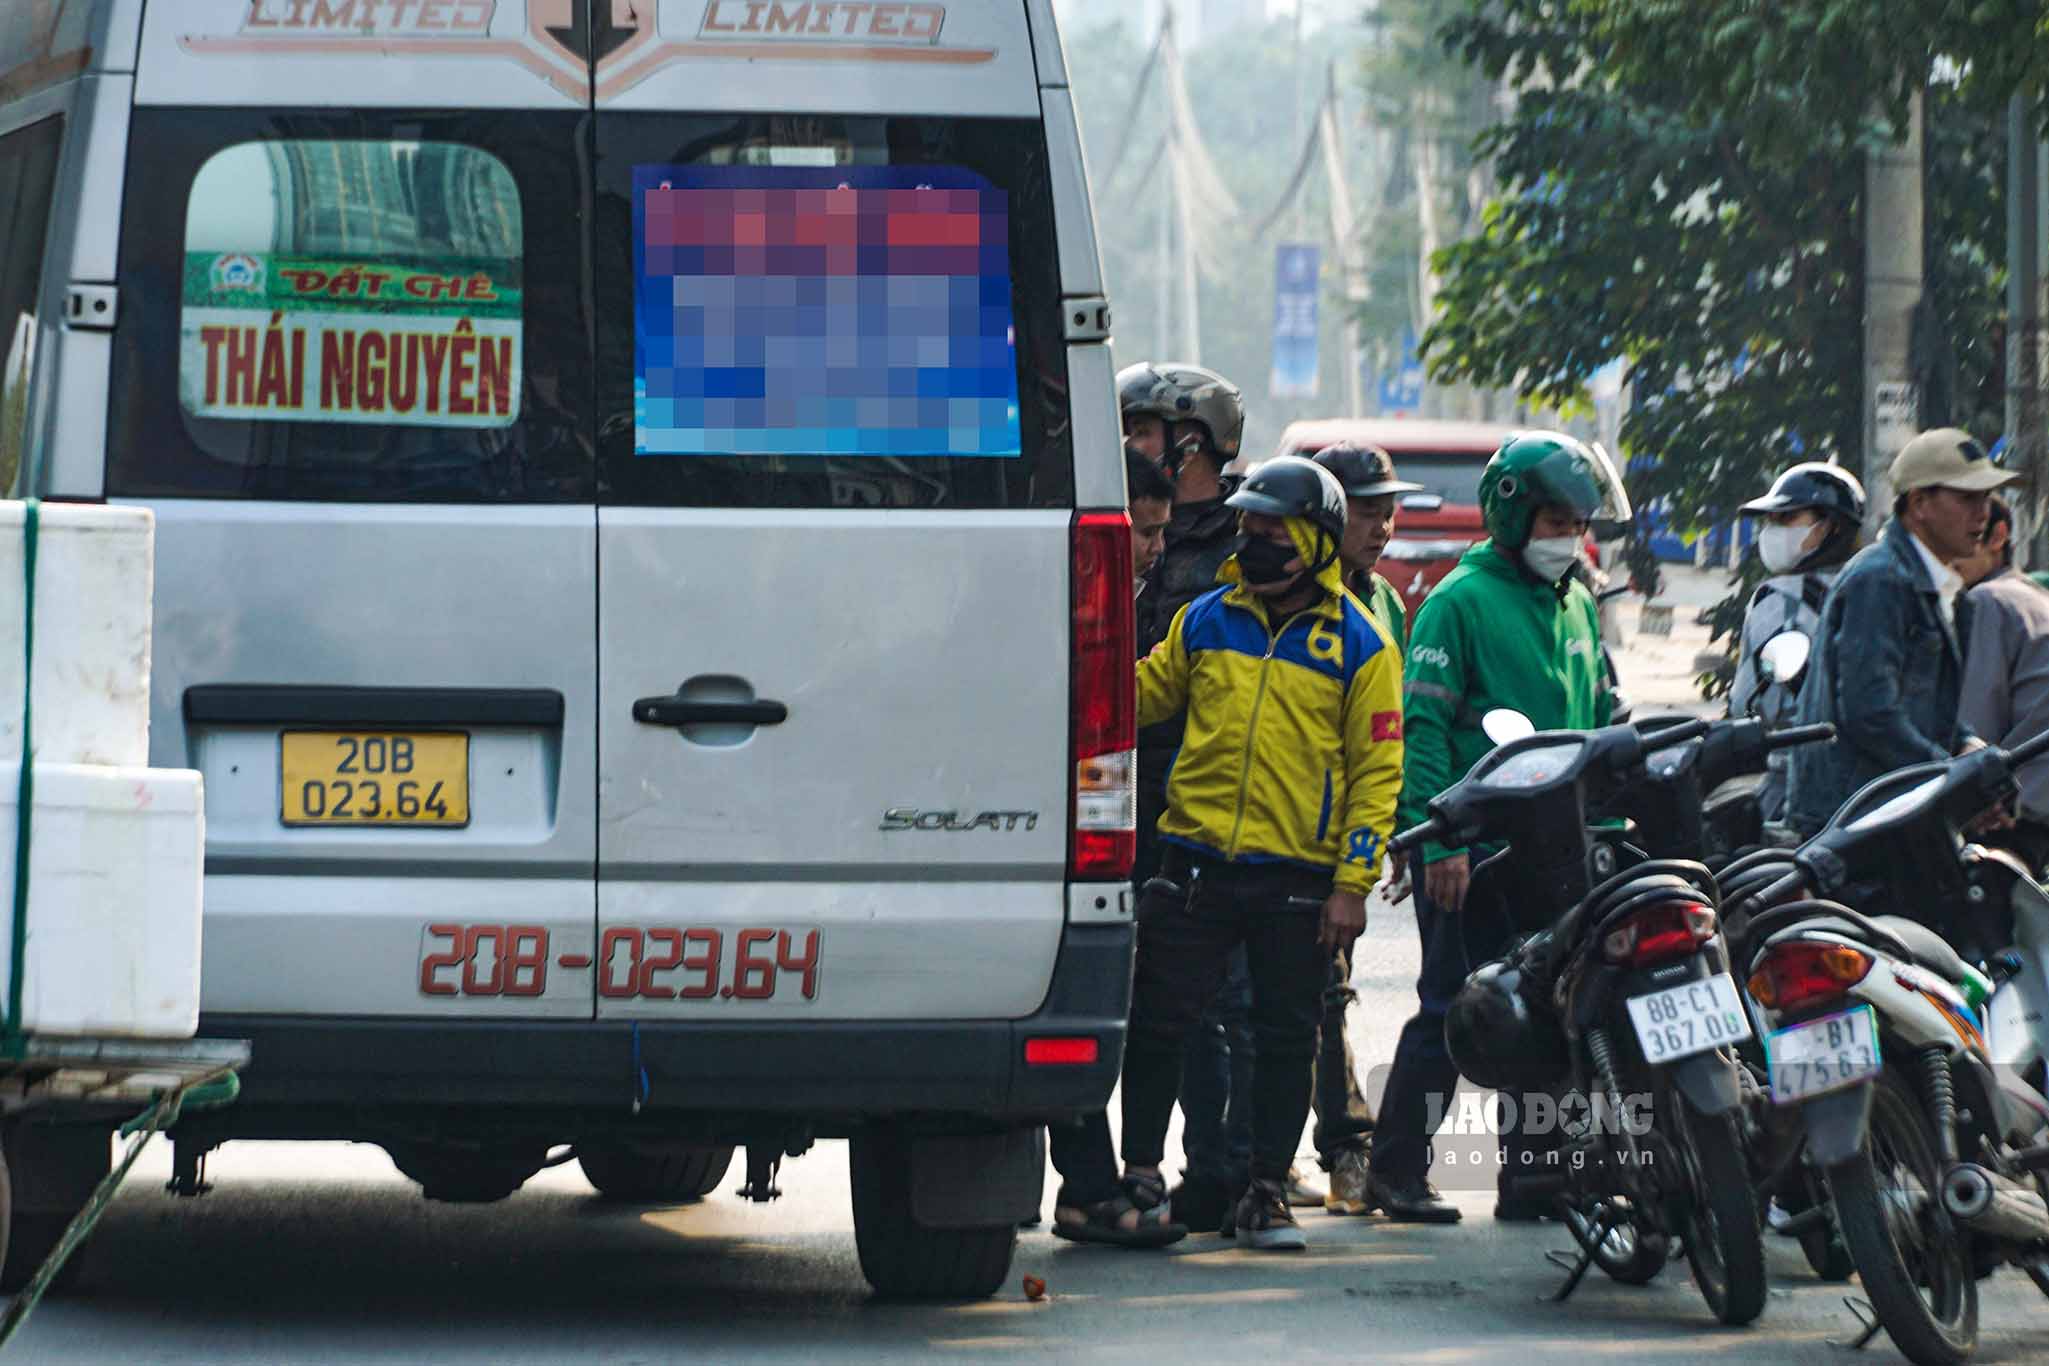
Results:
[1431, 654]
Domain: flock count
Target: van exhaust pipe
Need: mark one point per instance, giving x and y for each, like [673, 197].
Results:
[1992, 1204]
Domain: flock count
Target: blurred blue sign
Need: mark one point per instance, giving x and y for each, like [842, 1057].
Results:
[1401, 389]
[1297, 271]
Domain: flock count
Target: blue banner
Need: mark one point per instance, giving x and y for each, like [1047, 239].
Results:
[1401, 388]
[1297, 269]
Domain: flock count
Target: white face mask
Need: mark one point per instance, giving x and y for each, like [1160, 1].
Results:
[1551, 558]
[1783, 547]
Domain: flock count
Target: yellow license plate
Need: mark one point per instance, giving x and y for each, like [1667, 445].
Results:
[374, 777]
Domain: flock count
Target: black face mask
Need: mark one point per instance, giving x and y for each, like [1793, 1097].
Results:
[1264, 562]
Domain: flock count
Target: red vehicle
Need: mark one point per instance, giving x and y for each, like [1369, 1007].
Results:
[1432, 529]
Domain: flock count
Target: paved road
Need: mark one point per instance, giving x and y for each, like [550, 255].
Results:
[320, 1252]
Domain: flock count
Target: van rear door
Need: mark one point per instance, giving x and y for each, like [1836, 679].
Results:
[352, 375]
[834, 522]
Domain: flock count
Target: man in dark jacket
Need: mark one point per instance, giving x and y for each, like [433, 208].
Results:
[1196, 419]
[1887, 668]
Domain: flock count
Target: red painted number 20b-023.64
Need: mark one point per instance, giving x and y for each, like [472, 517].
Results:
[659, 963]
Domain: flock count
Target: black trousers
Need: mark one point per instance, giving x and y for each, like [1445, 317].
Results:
[1083, 1156]
[1344, 1120]
[1183, 945]
[1423, 1079]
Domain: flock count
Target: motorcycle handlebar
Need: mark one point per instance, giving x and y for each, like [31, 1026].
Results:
[2028, 750]
[1416, 834]
[1800, 735]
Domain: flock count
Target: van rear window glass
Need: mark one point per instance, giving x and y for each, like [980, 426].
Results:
[1452, 477]
[28, 172]
[801, 311]
[362, 306]
[828, 311]
[316, 290]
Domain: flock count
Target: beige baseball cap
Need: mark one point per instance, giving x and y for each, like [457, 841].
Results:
[1947, 457]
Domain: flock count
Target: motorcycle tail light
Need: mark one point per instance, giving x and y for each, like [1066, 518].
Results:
[1805, 971]
[1659, 934]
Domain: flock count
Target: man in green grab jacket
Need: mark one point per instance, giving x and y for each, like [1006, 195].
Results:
[1510, 627]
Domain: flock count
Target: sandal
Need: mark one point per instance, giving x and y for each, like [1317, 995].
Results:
[1144, 1195]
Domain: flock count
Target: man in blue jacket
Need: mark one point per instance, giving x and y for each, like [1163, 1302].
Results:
[1887, 668]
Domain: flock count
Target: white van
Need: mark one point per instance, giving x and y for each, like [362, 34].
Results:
[640, 563]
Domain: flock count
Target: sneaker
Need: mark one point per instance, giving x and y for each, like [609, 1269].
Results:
[1413, 1202]
[1299, 1191]
[1201, 1203]
[1350, 1186]
[1263, 1218]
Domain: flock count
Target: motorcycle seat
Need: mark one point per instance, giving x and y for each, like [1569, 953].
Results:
[1930, 949]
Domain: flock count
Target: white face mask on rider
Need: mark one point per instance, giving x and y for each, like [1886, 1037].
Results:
[1783, 547]
[1550, 558]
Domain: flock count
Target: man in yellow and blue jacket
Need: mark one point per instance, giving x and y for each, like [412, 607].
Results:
[1278, 811]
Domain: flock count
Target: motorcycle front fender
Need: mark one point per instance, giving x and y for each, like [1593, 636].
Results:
[1708, 1081]
[1836, 1124]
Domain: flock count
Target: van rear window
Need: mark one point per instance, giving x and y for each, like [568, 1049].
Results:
[362, 306]
[828, 311]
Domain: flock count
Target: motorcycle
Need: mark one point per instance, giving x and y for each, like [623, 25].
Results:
[1916, 1075]
[1626, 995]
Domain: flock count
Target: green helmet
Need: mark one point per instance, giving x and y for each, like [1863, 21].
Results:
[1535, 468]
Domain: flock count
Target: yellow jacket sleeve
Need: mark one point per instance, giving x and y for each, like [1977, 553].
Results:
[1373, 769]
[1163, 676]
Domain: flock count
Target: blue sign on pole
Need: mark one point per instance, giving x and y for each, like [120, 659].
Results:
[1401, 389]
[1297, 270]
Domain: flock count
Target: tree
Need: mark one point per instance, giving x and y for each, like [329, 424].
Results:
[1700, 220]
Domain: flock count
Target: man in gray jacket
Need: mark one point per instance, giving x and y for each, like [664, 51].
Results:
[2006, 673]
[1887, 665]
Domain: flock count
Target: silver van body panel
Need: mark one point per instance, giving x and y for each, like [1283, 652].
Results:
[722, 54]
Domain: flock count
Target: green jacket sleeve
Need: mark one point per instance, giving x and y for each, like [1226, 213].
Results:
[1433, 691]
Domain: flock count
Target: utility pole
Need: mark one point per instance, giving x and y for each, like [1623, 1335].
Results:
[2027, 183]
[1892, 290]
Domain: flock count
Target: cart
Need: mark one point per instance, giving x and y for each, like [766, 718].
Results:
[105, 1077]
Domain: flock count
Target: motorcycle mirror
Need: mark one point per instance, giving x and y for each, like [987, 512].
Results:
[1504, 724]
[1784, 656]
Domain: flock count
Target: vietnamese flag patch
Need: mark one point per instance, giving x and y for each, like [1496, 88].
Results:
[1387, 725]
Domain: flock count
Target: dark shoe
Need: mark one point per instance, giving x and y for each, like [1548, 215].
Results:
[1522, 1209]
[1200, 1203]
[1264, 1220]
[1413, 1202]
[1103, 1222]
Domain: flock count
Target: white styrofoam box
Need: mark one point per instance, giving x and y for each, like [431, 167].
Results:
[94, 572]
[115, 875]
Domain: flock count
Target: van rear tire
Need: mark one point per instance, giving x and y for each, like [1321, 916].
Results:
[902, 1258]
[652, 1176]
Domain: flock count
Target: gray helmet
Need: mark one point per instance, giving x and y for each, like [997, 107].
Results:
[1186, 393]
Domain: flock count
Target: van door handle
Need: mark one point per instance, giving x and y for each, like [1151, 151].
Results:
[674, 710]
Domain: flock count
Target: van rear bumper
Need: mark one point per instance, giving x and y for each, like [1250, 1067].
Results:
[332, 1077]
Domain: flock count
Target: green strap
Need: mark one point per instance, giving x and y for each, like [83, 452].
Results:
[25, 794]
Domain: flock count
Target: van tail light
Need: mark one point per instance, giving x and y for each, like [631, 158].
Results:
[1061, 1052]
[1676, 929]
[1103, 702]
[1805, 971]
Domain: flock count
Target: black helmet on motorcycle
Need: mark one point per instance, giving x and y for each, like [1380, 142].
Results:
[1499, 1037]
[1829, 489]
